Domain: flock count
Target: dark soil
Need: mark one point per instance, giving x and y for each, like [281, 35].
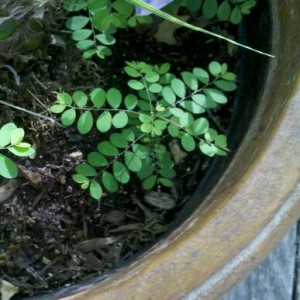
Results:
[51, 232]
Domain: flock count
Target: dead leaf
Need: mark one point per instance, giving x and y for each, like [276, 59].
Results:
[115, 217]
[34, 178]
[166, 30]
[176, 151]
[160, 200]
[90, 245]
[8, 290]
[8, 189]
[94, 261]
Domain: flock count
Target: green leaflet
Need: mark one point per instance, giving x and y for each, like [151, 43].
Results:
[8, 168]
[11, 139]
[109, 182]
[95, 190]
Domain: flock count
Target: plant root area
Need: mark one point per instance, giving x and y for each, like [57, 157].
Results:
[52, 234]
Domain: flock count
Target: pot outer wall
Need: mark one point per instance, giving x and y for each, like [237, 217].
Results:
[251, 198]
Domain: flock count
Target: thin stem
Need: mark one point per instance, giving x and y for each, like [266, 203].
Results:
[149, 97]
[103, 109]
[38, 100]
[150, 102]
[30, 112]
[93, 29]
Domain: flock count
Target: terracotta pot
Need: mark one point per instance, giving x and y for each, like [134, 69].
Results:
[250, 198]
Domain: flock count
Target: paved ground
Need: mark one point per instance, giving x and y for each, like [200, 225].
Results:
[277, 278]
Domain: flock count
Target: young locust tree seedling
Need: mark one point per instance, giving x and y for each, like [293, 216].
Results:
[139, 126]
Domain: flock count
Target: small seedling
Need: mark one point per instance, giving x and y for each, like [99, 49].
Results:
[11, 139]
[139, 126]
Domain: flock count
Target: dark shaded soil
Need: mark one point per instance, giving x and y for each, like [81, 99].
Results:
[51, 232]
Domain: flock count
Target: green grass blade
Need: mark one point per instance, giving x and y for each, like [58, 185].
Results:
[177, 21]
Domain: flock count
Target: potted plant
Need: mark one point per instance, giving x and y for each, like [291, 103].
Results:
[249, 197]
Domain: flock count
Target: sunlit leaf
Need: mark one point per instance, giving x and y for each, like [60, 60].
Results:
[8, 168]
[85, 122]
[120, 172]
[95, 190]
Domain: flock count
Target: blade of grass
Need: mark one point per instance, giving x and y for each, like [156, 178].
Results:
[179, 22]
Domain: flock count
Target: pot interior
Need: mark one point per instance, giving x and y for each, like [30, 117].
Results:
[264, 86]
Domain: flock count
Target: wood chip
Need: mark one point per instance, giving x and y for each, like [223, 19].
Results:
[8, 290]
[91, 245]
[177, 153]
[160, 200]
[94, 261]
[115, 217]
[8, 189]
[34, 178]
